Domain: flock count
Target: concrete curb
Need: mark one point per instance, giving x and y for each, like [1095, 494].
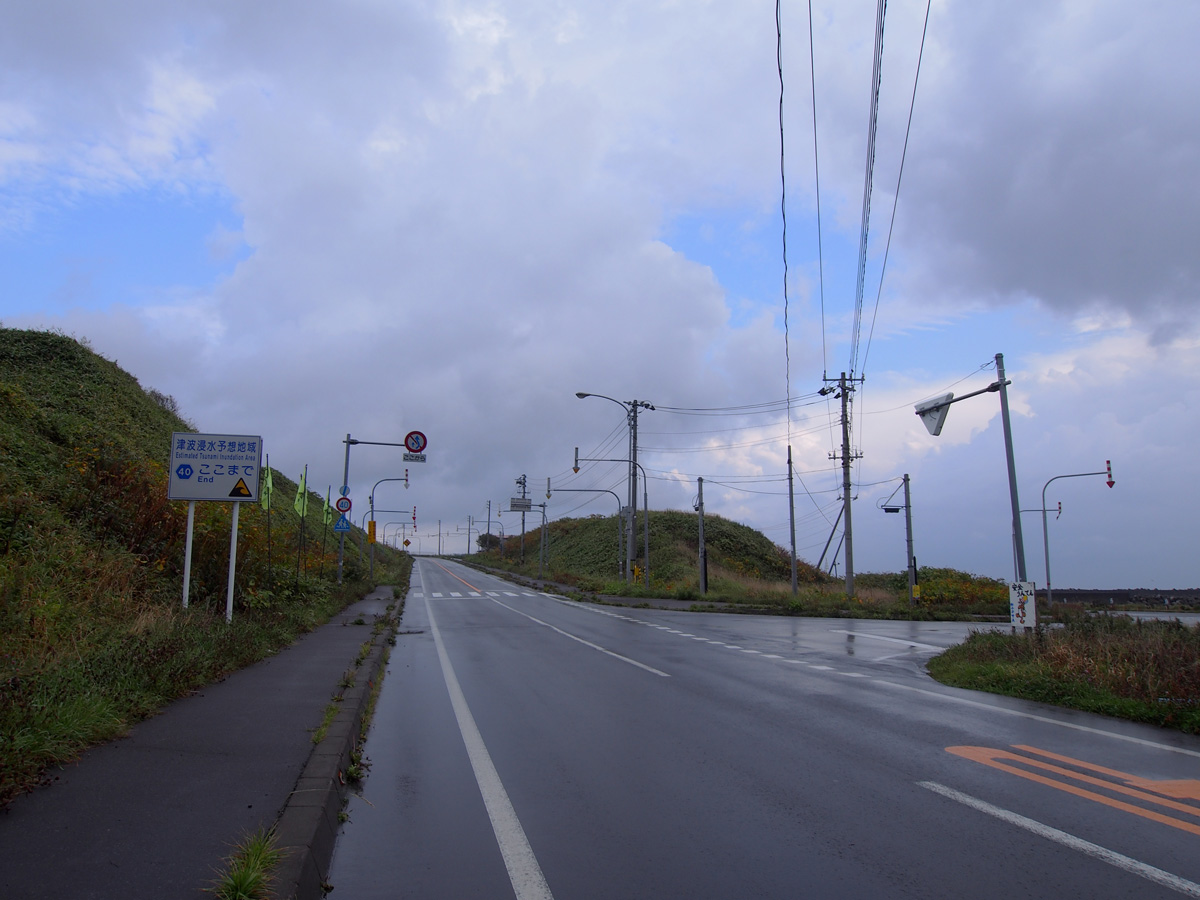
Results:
[307, 828]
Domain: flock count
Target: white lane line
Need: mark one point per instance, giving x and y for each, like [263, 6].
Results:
[437, 593]
[1037, 718]
[820, 668]
[455, 594]
[526, 876]
[880, 637]
[632, 662]
[1126, 863]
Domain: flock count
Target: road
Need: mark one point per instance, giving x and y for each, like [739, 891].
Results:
[532, 747]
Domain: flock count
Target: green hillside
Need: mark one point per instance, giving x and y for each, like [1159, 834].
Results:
[91, 558]
[745, 569]
[742, 562]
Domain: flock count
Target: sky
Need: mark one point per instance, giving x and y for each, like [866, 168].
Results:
[371, 217]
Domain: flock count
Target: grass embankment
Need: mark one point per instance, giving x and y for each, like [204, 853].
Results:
[1144, 671]
[745, 570]
[91, 558]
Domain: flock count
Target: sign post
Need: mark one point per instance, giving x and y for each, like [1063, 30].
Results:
[213, 467]
[1022, 604]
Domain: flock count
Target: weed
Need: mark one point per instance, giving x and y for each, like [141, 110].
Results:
[249, 870]
[331, 711]
[1115, 665]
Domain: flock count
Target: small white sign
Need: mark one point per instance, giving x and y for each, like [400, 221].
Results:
[414, 457]
[220, 467]
[1022, 604]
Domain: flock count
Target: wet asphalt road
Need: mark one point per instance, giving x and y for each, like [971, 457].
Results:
[532, 747]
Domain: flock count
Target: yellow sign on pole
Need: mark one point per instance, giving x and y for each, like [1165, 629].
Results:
[371, 531]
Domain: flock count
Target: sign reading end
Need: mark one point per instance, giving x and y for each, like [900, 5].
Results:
[214, 466]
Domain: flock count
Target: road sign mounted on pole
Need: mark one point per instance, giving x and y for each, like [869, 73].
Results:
[342, 504]
[218, 467]
[342, 525]
[213, 467]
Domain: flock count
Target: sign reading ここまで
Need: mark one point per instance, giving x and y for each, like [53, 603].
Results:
[214, 467]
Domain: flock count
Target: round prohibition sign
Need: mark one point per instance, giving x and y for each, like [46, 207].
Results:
[342, 504]
[416, 442]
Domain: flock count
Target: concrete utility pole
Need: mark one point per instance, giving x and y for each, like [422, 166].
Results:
[703, 553]
[912, 560]
[1018, 538]
[845, 388]
[792, 515]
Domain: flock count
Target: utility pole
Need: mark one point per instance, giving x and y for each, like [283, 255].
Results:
[633, 416]
[521, 482]
[1018, 539]
[845, 388]
[912, 560]
[703, 553]
[792, 516]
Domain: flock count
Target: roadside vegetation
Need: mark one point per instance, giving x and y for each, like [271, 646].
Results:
[91, 559]
[1144, 671]
[746, 572]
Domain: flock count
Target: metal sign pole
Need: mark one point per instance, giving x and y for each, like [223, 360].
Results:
[233, 536]
[187, 551]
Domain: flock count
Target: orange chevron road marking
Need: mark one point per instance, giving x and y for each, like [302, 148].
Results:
[1170, 795]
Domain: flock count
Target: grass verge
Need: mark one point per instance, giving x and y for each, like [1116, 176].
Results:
[1142, 671]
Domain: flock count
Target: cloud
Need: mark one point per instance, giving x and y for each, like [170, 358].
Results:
[452, 216]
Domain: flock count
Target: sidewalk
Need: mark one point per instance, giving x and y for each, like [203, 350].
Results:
[153, 815]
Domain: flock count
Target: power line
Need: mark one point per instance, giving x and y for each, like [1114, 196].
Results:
[899, 175]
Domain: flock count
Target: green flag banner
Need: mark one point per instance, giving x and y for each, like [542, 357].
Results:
[301, 502]
[268, 488]
[327, 513]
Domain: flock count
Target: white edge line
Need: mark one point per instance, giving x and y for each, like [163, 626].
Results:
[1126, 863]
[632, 662]
[1037, 718]
[526, 876]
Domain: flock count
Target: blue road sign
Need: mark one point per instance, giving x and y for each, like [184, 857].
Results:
[342, 525]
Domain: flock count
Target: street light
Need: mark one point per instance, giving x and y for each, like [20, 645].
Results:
[632, 525]
[618, 499]
[933, 414]
[1046, 529]
[888, 507]
[631, 408]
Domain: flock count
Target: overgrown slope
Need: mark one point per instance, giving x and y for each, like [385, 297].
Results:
[588, 549]
[91, 556]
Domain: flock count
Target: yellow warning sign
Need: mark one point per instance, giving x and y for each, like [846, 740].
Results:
[371, 531]
[240, 489]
